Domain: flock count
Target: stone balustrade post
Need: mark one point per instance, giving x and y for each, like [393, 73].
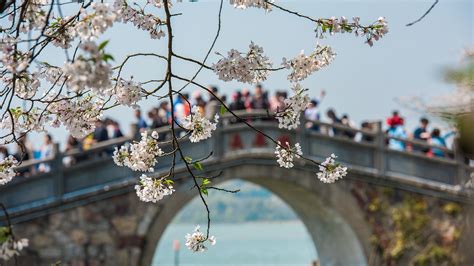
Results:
[380, 143]
[134, 131]
[217, 140]
[57, 168]
[461, 174]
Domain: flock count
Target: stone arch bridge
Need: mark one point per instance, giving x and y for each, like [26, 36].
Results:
[88, 213]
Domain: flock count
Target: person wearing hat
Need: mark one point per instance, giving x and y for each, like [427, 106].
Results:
[396, 130]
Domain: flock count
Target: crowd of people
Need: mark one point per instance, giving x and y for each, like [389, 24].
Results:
[422, 134]
[240, 100]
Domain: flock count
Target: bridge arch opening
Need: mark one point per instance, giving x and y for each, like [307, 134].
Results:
[246, 229]
[332, 218]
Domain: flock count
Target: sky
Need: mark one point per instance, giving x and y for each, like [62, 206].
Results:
[362, 81]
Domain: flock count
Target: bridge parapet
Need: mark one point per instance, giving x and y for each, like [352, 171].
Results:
[95, 176]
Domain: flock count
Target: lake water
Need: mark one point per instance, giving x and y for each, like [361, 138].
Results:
[256, 243]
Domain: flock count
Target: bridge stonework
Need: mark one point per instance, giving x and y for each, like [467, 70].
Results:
[121, 230]
[88, 213]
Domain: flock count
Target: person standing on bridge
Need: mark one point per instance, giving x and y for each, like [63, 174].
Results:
[100, 132]
[312, 112]
[350, 124]
[421, 134]
[438, 140]
[24, 152]
[141, 123]
[259, 99]
[46, 152]
[213, 105]
[396, 132]
[236, 102]
[331, 114]
[277, 102]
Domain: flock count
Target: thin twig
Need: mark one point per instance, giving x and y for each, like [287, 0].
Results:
[424, 15]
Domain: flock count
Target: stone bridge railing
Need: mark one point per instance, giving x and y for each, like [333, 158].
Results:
[95, 176]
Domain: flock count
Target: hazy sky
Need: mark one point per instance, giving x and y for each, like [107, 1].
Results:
[362, 81]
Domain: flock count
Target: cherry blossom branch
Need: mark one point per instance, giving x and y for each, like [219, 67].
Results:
[245, 122]
[424, 15]
[214, 41]
[176, 144]
[193, 61]
[89, 84]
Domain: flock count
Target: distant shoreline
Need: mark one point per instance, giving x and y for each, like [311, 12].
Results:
[243, 222]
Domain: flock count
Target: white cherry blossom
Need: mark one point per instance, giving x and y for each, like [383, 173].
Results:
[285, 154]
[24, 120]
[335, 25]
[330, 171]
[141, 20]
[62, 32]
[78, 115]
[13, 60]
[140, 156]
[34, 17]
[152, 190]
[92, 25]
[6, 169]
[251, 67]
[195, 241]
[26, 84]
[127, 92]
[289, 118]
[380, 29]
[51, 74]
[160, 3]
[304, 65]
[243, 4]
[92, 72]
[10, 248]
[201, 128]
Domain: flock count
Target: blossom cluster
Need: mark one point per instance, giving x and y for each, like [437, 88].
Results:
[21, 121]
[139, 19]
[285, 154]
[289, 117]
[251, 67]
[201, 128]
[152, 190]
[330, 171]
[26, 84]
[127, 92]
[52, 74]
[92, 72]
[243, 4]
[6, 169]
[161, 3]
[86, 84]
[78, 115]
[334, 25]
[304, 65]
[34, 16]
[12, 59]
[62, 32]
[92, 25]
[195, 241]
[10, 247]
[140, 156]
